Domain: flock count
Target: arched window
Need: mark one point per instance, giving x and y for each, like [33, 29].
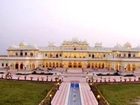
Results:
[6, 64]
[25, 53]
[92, 55]
[79, 65]
[21, 53]
[56, 55]
[119, 55]
[50, 65]
[57, 64]
[16, 54]
[88, 65]
[16, 66]
[129, 55]
[21, 66]
[53, 64]
[46, 64]
[51, 56]
[31, 54]
[2, 64]
[124, 55]
[75, 65]
[89, 55]
[61, 65]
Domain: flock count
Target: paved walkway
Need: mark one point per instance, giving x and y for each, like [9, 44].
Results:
[70, 96]
[79, 94]
[61, 95]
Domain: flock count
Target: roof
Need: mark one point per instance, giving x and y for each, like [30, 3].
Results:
[23, 46]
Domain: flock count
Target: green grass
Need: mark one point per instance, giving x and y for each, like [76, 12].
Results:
[120, 94]
[22, 92]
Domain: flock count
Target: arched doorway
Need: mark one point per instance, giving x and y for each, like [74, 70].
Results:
[70, 64]
[92, 55]
[128, 67]
[100, 66]
[133, 67]
[129, 55]
[88, 65]
[33, 66]
[103, 65]
[21, 53]
[16, 66]
[109, 66]
[46, 64]
[79, 65]
[93, 65]
[61, 65]
[57, 64]
[53, 64]
[21, 66]
[74, 65]
[56, 55]
[50, 65]
[118, 66]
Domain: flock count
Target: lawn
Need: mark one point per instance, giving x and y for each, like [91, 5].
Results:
[22, 92]
[120, 94]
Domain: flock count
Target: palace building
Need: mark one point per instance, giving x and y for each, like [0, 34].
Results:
[72, 54]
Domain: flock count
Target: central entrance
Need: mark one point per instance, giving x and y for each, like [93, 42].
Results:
[75, 65]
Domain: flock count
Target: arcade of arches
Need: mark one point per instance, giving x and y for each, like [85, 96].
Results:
[75, 64]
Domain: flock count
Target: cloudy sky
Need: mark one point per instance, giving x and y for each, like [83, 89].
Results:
[42, 21]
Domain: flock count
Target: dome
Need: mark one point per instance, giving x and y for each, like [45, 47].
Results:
[85, 42]
[13, 47]
[127, 45]
[75, 40]
[22, 44]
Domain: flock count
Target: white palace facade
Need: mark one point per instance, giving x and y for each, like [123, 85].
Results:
[72, 54]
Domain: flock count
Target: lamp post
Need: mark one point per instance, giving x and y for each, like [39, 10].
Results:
[58, 85]
[90, 84]
[50, 98]
[98, 98]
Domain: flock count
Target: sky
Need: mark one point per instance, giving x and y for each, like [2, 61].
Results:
[39, 22]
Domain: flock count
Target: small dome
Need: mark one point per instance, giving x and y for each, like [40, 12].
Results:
[75, 40]
[127, 45]
[13, 47]
[22, 44]
[85, 42]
